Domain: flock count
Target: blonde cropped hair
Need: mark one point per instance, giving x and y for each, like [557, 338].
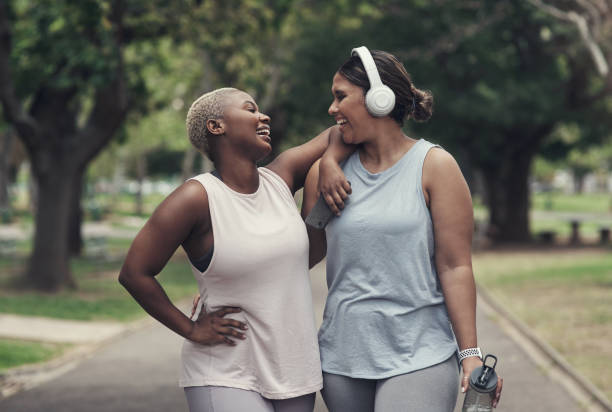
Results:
[209, 106]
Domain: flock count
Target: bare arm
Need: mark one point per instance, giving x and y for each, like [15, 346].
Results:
[332, 184]
[293, 164]
[450, 203]
[316, 237]
[176, 218]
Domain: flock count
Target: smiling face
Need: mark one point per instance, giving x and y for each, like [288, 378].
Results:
[348, 108]
[245, 126]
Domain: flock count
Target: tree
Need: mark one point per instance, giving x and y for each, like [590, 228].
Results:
[6, 143]
[66, 86]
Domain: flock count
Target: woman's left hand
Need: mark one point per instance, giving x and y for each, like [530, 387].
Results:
[333, 186]
[468, 365]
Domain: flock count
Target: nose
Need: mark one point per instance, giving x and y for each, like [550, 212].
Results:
[264, 118]
[333, 109]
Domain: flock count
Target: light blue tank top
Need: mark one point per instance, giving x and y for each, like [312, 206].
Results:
[385, 313]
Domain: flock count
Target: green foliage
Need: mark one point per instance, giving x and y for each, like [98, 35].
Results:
[62, 44]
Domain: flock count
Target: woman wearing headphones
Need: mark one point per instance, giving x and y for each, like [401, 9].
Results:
[401, 293]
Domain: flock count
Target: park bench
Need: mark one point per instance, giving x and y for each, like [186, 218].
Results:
[547, 236]
[575, 235]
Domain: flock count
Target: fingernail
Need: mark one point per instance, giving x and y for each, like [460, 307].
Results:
[462, 390]
[245, 327]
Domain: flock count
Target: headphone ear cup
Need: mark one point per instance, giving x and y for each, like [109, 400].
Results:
[380, 101]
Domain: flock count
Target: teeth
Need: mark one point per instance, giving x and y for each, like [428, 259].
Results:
[341, 122]
[263, 131]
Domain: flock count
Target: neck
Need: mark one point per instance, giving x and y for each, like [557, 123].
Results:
[385, 148]
[238, 174]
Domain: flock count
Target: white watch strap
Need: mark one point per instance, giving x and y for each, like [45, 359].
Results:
[470, 352]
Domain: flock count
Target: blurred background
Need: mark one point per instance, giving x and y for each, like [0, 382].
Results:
[94, 96]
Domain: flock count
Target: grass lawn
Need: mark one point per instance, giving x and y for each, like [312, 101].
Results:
[564, 296]
[16, 353]
[99, 296]
[560, 202]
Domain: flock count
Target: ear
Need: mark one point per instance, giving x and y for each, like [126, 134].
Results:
[215, 127]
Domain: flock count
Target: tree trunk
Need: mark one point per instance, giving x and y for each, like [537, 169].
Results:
[6, 142]
[32, 190]
[49, 267]
[507, 196]
[75, 237]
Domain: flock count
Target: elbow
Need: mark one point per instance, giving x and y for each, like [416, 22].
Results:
[125, 278]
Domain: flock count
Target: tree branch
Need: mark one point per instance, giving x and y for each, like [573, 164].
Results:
[26, 126]
[111, 101]
[581, 24]
[450, 42]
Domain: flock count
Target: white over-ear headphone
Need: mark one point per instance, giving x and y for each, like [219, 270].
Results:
[380, 99]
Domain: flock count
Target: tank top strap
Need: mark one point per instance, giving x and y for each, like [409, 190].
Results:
[421, 153]
[421, 150]
[210, 183]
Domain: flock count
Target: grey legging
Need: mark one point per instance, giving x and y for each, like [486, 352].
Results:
[222, 399]
[432, 389]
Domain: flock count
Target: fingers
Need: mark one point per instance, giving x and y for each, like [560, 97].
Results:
[335, 198]
[347, 187]
[331, 203]
[228, 331]
[226, 327]
[233, 323]
[339, 199]
[194, 305]
[464, 383]
[500, 384]
[226, 310]
[228, 341]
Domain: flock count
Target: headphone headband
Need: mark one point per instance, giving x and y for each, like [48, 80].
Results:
[368, 63]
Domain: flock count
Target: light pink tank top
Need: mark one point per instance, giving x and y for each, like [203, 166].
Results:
[259, 263]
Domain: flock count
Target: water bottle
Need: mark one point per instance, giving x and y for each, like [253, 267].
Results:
[481, 392]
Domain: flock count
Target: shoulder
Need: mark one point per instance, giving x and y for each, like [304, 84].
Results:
[193, 191]
[437, 158]
[189, 199]
[438, 166]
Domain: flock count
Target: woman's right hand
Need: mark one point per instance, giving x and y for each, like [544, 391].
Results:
[214, 329]
[333, 186]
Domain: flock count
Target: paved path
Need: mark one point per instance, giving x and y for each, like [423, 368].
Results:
[138, 372]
